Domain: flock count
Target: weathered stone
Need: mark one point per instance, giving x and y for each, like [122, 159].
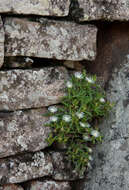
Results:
[11, 187]
[2, 38]
[34, 165]
[25, 167]
[23, 131]
[49, 185]
[50, 39]
[62, 167]
[104, 10]
[111, 168]
[36, 7]
[21, 89]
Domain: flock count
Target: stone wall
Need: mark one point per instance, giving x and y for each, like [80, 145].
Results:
[41, 43]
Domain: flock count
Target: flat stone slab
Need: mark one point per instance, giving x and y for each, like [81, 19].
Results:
[23, 131]
[11, 187]
[25, 167]
[36, 7]
[34, 165]
[2, 38]
[49, 185]
[22, 89]
[104, 10]
[50, 39]
[111, 158]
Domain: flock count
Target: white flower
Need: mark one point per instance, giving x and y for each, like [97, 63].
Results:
[69, 84]
[78, 75]
[95, 133]
[80, 115]
[52, 109]
[90, 80]
[90, 158]
[82, 124]
[89, 150]
[86, 138]
[67, 118]
[89, 165]
[53, 118]
[102, 100]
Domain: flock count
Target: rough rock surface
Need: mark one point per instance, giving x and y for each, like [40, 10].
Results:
[50, 39]
[2, 37]
[111, 165]
[23, 131]
[34, 165]
[21, 89]
[36, 7]
[104, 9]
[49, 185]
[25, 167]
[62, 168]
[11, 187]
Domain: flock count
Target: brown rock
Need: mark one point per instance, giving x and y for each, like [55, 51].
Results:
[49, 185]
[36, 7]
[50, 39]
[23, 131]
[21, 89]
[11, 187]
[104, 10]
[113, 46]
[1, 42]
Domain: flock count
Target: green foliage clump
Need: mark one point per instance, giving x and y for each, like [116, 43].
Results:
[76, 122]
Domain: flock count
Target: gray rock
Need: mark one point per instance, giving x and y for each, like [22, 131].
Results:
[49, 185]
[2, 38]
[34, 165]
[21, 89]
[104, 10]
[11, 187]
[62, 167]
[50, 39]
[23, 131]
[25, 167]
[36, 7]
[111, 159]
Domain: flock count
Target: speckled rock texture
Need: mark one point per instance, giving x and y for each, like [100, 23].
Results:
[25, 167]
[22, 89]
[34, 165]
[50, 39]
[2, 38]
[35, 7]
[11, 187]
[111, 163]
[23, 131]
[104, 10]
[49, 185]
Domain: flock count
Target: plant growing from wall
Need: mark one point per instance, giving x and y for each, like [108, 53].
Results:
[76, 122]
